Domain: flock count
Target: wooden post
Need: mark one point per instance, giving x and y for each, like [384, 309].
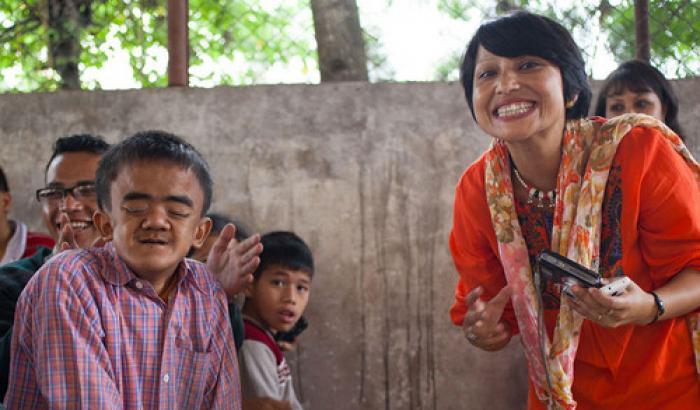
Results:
[178, 43]
[641, 22]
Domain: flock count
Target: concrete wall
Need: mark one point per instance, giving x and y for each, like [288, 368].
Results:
[365, 173]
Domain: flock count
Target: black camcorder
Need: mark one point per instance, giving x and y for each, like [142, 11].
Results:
[562, 270]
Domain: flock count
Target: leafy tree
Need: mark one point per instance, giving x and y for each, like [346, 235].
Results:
[378, 66]
[48, 44]
[674, 28]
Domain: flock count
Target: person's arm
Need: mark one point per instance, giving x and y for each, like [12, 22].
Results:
[668, 236]
[12, 281]
[483, 325]
[58, 359]
[680, 296]
[66, 237]
[236, 320]
[226, 393]
[232, 263]
[259, 371]
[482, 300]
[5, 342]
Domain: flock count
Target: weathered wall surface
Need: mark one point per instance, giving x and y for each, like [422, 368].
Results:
[365, 173]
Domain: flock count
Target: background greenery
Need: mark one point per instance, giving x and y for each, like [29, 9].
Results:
[46, 44]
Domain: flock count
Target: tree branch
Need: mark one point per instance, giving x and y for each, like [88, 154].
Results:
[19, 28]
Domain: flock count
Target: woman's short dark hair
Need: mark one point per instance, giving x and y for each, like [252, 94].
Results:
[523, 33]
[639, 76]
[219, 221]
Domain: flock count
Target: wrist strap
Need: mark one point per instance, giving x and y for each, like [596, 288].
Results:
[659, 306]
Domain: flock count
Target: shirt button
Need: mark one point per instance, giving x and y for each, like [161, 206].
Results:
[166, 378]
[139, 285]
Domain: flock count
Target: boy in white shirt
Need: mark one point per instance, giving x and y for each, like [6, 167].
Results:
[274, 303]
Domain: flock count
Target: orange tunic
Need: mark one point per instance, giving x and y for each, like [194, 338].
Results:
[630, 366]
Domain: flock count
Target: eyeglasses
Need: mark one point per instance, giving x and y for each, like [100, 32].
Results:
[55, 194]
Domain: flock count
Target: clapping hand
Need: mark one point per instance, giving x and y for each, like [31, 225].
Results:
[66, 237]
[233, 262]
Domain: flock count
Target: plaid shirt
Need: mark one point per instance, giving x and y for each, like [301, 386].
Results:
[89, 334]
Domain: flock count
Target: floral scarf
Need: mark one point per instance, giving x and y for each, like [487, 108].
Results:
[588, 149]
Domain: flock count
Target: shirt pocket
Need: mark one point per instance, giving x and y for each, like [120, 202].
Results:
[195, 373]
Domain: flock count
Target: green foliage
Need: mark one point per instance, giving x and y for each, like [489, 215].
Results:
[674, 28]
[251, 35]
[24, 18]
[457, 9]
[448, 68]
[378, 66]
[248, 32]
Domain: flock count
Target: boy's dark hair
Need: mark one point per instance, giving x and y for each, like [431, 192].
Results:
[523, 33]
[151, 146]
[4, 186]
[285, 249]
[218, 221]
[639, 76]
[78, 143]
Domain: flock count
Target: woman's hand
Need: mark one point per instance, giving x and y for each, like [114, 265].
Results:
[482, 325]
[633, 306]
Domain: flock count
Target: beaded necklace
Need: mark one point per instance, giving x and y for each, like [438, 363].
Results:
[535, 196]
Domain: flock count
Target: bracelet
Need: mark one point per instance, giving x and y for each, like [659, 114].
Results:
[660, 309]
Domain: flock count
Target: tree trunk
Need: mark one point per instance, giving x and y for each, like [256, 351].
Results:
[505, 6]
[178, 43]
[66, 18]
[341, 47]
[641, 25]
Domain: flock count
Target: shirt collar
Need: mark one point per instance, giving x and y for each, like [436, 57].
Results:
[195, 272]
[115, 272]
[253, 321]
[17, 243]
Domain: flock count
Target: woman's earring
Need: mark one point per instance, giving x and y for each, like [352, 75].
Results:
[570, 104]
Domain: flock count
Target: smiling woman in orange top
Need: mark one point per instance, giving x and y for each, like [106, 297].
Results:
[619, 197]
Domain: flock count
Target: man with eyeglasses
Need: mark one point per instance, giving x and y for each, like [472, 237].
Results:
[68, 203]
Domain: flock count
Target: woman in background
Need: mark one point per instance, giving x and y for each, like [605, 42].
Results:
[635, 86]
